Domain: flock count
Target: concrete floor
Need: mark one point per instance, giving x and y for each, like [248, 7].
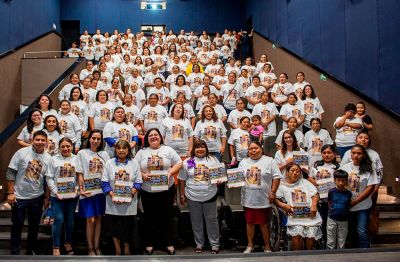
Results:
[375, 255]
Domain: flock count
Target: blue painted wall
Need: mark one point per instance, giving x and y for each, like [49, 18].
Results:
[197, 15]
[356, 41]
[23, 20]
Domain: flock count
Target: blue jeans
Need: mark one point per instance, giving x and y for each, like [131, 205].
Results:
[63, 212]
[217, 155]
[34, 209]
[343, 150]
[358, 228]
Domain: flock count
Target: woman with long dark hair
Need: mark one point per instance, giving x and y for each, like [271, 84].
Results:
[362, 181]
[92, 203]
[159, 161]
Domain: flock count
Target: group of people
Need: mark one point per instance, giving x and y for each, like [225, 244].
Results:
[171, 120]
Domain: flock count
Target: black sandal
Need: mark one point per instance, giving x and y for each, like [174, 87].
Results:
[198, 250]
[149, 250]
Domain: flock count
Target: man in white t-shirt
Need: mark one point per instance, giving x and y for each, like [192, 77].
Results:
[25, 190]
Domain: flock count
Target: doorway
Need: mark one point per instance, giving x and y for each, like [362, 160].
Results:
[70, 31]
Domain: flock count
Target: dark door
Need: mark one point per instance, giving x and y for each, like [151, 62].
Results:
[70, 32]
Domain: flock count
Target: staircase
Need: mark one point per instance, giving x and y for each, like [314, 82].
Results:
[389, 219]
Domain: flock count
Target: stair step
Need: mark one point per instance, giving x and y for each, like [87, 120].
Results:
[43, 241]
[5, 226]
[389, 215]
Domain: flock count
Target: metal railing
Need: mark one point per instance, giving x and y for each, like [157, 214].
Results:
[44, 54]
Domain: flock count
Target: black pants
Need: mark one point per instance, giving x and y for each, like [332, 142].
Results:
[34, 209]
[157, 217]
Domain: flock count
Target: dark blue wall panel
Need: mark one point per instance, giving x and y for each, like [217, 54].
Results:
[356, 41]
[197, 15]
[23, 20]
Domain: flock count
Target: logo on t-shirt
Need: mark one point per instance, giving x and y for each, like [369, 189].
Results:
[265, 115]
[32, 172]
[95, 166]
[121, 175]
[253, 177]
[105, 114]
[152, 116]
[63, 126]
[177, 132]
[244, 141]
[201, 174]
[210, 133]
[124, 134]
[50, 146]
[316, 145]
[309, 107]
[155, 162]
[67, 170]
[354, 183]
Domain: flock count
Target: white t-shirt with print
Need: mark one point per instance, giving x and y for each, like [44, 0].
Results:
[240, 139]
[266, 111]
[299, 194]
[162, 158]
[358, 183]
[211, 132]
[128, 172]
[258, 175]
[177, 134]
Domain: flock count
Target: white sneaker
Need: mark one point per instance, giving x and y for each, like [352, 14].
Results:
[248, 250]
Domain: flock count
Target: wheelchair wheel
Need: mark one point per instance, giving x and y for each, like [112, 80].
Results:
[275, 229]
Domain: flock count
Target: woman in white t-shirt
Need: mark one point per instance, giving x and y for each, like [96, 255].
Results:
[161, 91]
[230, 92]
[219, 80]
[254, 92]
[281, 90]
[70, 125]
[180, 87]
[195, 78]
[200, 195]
[361, 182]
[177, 131]
[66, 90]
[33, 123]
[92, 203]
[268, 112]
[312, 107]
[131, 110]
[292, 127]
[152, 115]
[315, 139]
[100, 112]
[364, 139]
[53, 131]
[321, 176]
[153, 159]
[299, 198]
[239, 141]
[121, 180]
[119, 129]
[79, 108]
[262, 178]
[284, 155]
[347, 127]
[267, 78]
[62, 173]
[138, 96]
[298, 87]
[261, 64]
[212, 131]
[45, 105]
[236, 114]
[292, 109]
